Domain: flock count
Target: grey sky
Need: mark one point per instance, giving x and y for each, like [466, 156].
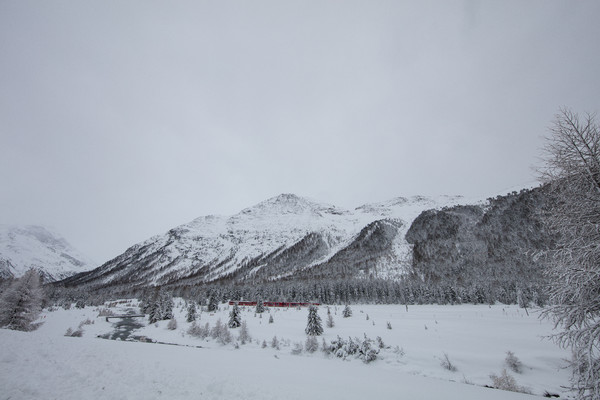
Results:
[122, 119]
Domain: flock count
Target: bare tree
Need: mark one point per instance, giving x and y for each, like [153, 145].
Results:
[572, 172]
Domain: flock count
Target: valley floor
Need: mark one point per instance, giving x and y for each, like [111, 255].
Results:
[44, 364]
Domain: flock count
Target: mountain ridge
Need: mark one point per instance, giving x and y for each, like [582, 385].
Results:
[32, 246]
[286, 235]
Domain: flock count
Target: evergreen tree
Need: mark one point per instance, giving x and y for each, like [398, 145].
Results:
[212, 304]
[166, 306]
[244, 335]
[191, 312]
[235, 319]
[347, 311]
[20, 304]
[260, 307]
[270, 319]
[313, 327]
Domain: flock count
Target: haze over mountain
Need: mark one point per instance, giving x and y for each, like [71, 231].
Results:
[30, 246]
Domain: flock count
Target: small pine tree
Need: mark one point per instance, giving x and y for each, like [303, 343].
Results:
[244, 335]
[260, 307]
[166, 306]
[347, 311]
[313, 326]
[270, 319]
[311, 344]
[330, 323]
[234, 317]
[275, 343]
[191, 312]
[212, 304]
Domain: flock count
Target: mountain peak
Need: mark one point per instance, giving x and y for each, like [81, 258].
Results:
[289, 203]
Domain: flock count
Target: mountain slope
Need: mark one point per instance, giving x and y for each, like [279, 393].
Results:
[25, 247]
[281, 237]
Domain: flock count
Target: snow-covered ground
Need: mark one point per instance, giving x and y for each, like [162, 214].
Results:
[46, 364]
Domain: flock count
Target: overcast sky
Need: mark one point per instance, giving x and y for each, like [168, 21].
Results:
[122, 119]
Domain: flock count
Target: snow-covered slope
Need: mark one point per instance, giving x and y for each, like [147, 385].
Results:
[283, 236]
[25, 247]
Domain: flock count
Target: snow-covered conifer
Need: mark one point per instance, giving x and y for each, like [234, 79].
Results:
[260, 307]
[191, 312]
[270, 319]
[244, 335]
[313, 326]
[235, 319]
[21, 303]
[347, 311]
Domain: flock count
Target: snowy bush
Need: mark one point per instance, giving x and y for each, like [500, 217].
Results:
[389, 325]
[270, 319]
[380, 343]
[311, 344]
[72, 333]
[264, 344]
[360, 349]
[513, 362]
[297, 348]
[198, 331]
[172, 325]
[221, 333]
[244, 335]
[275, 343]
[506, 382]
[447, 364]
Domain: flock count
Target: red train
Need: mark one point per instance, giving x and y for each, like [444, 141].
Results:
[273, 304]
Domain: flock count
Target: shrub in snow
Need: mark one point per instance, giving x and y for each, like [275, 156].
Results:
[389, 325]
[513, 362]
[198, 331]
[235, 320]
[506, 382]
[380, 343]
[69, 332]
[172, 325]
[191, 312]
[447, 364]
[297, 348]
[270, 319]
[399, 351]
[80, 304]
[221, 333]
[264, 344]
[275, 343]
[313, 326]
[72, 333]
[244, 335]
[360, 349]
[330, 323]
[311, 344]
[347, 311]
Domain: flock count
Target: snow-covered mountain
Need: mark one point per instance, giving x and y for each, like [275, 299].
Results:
[25, 247]
[284, 236]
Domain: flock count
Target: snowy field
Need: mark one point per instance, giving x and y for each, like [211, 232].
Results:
[45, 364]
